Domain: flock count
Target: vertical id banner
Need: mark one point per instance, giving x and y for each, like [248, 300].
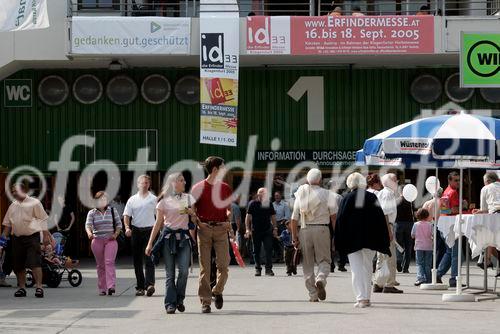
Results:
[219, 65]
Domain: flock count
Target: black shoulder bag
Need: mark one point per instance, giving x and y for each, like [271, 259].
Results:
[120, 239]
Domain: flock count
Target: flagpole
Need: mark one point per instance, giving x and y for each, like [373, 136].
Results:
[435, 285]
[458, 296]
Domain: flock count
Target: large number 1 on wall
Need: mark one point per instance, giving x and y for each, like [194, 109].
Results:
[314, 87]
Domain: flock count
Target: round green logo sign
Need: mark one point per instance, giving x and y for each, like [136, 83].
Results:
[483, 58]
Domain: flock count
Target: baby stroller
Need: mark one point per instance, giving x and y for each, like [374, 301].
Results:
[55, 265]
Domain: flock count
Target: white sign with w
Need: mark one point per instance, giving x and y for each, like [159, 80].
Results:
[18, 15]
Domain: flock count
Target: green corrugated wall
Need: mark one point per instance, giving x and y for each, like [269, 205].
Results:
[359, 103]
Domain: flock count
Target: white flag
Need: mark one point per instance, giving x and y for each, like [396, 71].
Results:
[18, 15]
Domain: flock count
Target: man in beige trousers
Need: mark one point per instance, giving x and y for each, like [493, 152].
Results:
[314, 209]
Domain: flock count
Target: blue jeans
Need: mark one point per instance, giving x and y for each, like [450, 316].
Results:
[450, 259]
[424, 266]
[176, 291]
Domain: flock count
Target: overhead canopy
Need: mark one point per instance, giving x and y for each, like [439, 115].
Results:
[450, 141]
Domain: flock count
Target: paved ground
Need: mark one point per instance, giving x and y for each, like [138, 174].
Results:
[252, 305]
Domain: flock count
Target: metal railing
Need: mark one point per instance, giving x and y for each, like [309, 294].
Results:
[129, 8]
[407, 7]
[191, 8]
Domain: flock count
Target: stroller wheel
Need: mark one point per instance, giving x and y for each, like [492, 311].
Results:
[53, 279]
[75, 278]
[30, 281]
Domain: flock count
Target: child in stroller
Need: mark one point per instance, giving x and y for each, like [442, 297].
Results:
[5, 265]
[55, 265]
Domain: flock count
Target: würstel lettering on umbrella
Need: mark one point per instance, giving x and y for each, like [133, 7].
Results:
[407, 145]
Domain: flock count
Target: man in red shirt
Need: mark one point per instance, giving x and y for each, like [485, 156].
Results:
[450, 258]
[213, 208]
[451, 194]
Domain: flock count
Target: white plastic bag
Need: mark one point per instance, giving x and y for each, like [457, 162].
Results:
[383, 272]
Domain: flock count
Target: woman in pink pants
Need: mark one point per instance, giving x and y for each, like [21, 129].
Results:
[103, 227]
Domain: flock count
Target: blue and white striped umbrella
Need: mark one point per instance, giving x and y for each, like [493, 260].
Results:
[460, 140]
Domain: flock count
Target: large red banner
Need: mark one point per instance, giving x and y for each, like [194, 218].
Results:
[361, 35]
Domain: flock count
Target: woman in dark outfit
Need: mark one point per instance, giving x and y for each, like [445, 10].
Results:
[361, 230]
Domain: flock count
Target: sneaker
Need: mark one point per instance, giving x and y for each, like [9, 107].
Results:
[294, 272]
[362, 304]
[219, 302]
[320, 288]
[406, 271]
[342, 269]
[102, 293]
[171, 310]
[418, 283]
[139, 292]
[391, 290]
[111, 291]
[258, 272]
[181, 308]
[269, 272]
[150, 291]
[377, 289]
[206, 309]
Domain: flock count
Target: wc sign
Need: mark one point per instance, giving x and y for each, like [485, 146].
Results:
[17, 93]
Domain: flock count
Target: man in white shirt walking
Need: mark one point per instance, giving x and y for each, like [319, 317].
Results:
[388, 202]
[139, 218]
[315, 208]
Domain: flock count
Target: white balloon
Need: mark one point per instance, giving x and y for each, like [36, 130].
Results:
[430, 184]
[410, 192]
